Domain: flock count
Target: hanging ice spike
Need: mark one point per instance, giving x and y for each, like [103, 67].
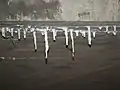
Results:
[94, 34]
[3, 32]
[66, 36]
[77, 33]
[107, 29]
[46, 44]
[115, 31]
[19, 29]
[12, 32]
[34, 40]
[72, 43]
[54, 35]
[24, 33]
[83, 33]
[89, 37]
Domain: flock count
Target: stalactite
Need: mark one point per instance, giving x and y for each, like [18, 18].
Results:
[19, 33]
[83, 33]
[46, 44]
[34, 40]
[54, 35]
[107, 29]
[3, 32]
[94, 34]
[77, 33]
[12, 32]
[66, 36]
[100, 27]
[24, 32]
[114, 31]
[89, 37]
[72, 43]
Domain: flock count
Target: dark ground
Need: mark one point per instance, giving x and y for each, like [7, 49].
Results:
[95, 68]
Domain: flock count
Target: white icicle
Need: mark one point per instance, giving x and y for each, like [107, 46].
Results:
[24, 32]
[115, 29]
[46, 43]
[54, 34]
[18, 33]
[77, 33]
[3, 32]
[84, 34]
[42, 33]
[94, 34]
[35, 41]
[107, 28]
[89, 36]
[72, 39]
[12, 32]
[100, 27]
[66, 36]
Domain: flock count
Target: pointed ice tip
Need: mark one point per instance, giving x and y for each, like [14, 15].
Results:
[18, 39]
[24, 38]
[66, 46]
[54, 40]
[35, 50]
[89, 45]
[46, 61]
[73, 57]
[83, 36]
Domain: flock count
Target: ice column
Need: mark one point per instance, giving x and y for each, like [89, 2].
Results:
[72, 39]
[54, 34]
[66, 36]
[89, 37]
[11, 32]
[115, 30]
[19, 33]
[46, 44]
[94, 34]
[24, 32]
[3, 32]
[34, 40]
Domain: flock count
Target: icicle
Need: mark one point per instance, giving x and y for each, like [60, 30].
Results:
[42, 33]
[107, 28]
[29, 27]
[46, 44]
[94, 34]
[32, 29]
[72, 39]
[89, 37]
[84, 34]
[19, 34]
[100, 27]
[3, 32]
[114, 32]
[66, 36]
[7, 29]
[24, 32]
[54, 34]
[77, 33]
[35, 41]
[11, 32]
